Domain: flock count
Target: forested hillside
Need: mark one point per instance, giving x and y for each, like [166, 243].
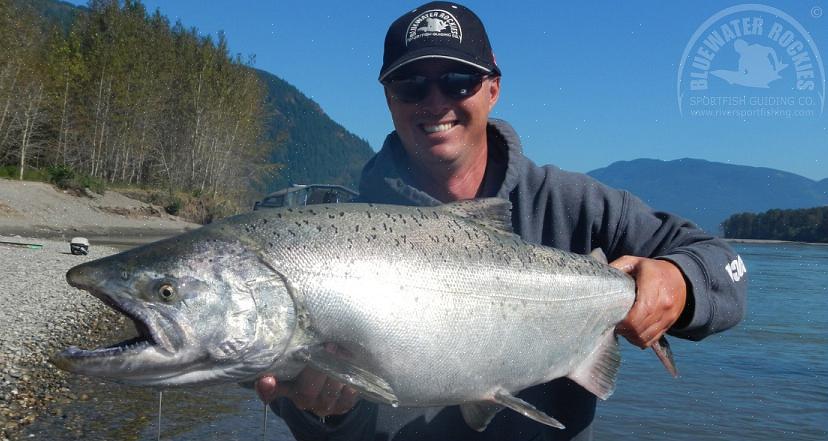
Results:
[803, 225]
[120, 95]
[313, 148]
[127, 97]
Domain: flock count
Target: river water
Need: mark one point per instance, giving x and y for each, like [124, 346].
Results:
[765, 379]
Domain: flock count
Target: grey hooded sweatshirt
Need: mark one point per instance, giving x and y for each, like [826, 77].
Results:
[570, 211]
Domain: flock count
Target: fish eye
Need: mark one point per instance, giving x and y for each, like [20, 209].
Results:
[166, 291]
[124, 275]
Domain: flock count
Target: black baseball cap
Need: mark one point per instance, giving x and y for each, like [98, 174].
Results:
[438, 30]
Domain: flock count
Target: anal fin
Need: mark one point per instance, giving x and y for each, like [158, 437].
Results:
[479, 415]
[368, 384]
[506, 399]
[597, 373]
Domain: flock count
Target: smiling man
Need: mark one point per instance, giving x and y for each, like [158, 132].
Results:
[441, 83]
[445, 131]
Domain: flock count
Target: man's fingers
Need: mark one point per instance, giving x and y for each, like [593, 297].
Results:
[660, 297]
[311, 390]
[268, 389]
[307, 388]
[328, 397]
[647, 337]
[347, 400]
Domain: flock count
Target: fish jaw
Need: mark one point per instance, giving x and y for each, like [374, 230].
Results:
[154, 328]
[210, 333]
[151, 358]
[143, 364]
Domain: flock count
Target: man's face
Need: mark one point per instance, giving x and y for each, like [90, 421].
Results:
[440, 129]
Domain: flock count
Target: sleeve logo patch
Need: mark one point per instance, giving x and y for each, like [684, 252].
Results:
[736, 269]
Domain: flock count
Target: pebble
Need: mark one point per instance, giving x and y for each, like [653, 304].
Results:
[45, 315]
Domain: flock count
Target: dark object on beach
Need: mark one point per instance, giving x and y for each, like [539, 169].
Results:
[33, 246]
[79, 246]
[298, 194]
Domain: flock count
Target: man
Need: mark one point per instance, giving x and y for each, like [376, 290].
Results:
[441, 82]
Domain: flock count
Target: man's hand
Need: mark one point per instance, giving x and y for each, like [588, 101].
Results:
[661, 295]
[311, 390]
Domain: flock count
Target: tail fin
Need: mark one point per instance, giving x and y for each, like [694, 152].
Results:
[665, 354]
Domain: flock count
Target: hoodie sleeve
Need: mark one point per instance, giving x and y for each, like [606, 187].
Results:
[357, 425]
[715, 275]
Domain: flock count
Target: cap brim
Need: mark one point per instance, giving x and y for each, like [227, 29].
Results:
[431, 53]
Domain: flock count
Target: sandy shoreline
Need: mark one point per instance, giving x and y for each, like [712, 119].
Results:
[36, 209]
[96, 236]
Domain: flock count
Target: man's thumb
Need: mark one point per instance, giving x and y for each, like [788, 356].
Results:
[625, 263]
[267, 389]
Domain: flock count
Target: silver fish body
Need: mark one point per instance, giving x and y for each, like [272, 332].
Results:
[429, 306]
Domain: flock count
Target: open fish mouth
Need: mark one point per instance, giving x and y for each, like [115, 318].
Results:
[155, 339]
[149, 335]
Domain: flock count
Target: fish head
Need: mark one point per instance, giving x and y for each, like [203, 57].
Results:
[206, 307]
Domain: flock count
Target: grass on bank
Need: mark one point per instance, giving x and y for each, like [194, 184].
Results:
[193, 206]
[61, 176]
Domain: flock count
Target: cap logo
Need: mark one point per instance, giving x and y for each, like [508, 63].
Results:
[433, 23]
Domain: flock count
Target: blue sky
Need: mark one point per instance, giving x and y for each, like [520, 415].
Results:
[584, 83]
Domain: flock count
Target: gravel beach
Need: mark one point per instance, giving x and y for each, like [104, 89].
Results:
[40, 312]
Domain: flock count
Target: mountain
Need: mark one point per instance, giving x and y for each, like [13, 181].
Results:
[709, 192]
[311, 146]
[822, 187]
[56, 12]
[308, 146]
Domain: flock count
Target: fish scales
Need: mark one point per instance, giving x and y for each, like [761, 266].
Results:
[427, 306]
[471, 294]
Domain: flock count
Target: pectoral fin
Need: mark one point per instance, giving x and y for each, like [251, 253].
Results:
[368, 384]
[506, 399]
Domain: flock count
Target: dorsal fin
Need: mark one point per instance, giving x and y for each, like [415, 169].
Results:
[493, 213]
[598, 254]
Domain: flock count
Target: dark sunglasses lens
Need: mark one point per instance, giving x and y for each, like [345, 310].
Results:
[409, 90]
[460, 85]
[453, 85]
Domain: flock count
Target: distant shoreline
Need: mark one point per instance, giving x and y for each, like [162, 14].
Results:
[38, 210]
[773, 241]
[96, 235]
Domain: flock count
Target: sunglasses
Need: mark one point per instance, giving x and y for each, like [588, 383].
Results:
[454, 85]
